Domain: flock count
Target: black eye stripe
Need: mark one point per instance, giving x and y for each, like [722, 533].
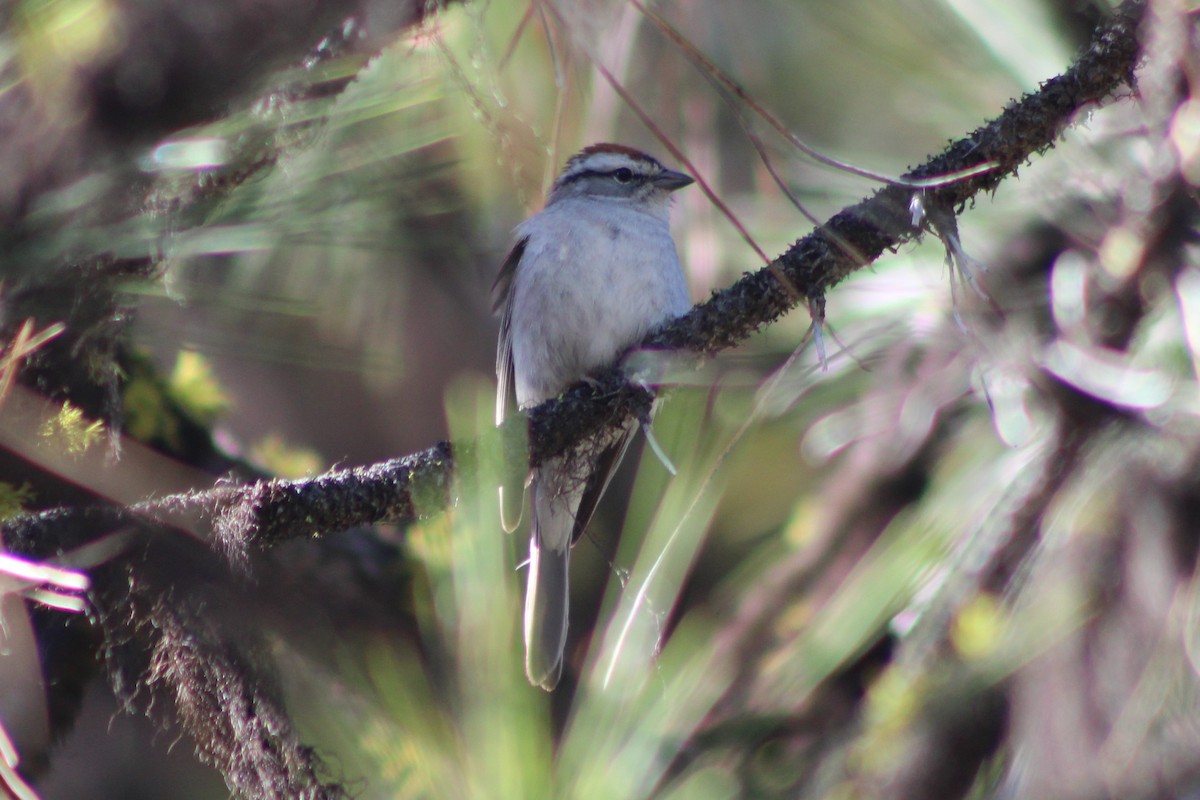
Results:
[596, 173]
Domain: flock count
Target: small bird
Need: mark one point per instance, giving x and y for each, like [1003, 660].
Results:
[590, 275]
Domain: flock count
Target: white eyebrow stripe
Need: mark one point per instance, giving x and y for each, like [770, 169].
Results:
[607, 162]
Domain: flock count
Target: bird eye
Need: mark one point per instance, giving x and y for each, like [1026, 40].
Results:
[623, 175]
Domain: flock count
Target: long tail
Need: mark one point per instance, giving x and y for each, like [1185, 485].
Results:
[547, 601]
[547, 594]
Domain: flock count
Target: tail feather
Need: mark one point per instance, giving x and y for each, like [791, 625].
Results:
[546, 606]
[563, 494]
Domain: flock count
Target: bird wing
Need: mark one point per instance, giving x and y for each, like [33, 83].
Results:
[512, 492]
[502, 301]
[606, 466]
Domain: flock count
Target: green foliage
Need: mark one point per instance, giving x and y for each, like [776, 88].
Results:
[14, 499]
[277, 457]
[194, 386]
[148, 414]
[158, 410]
[71, 430]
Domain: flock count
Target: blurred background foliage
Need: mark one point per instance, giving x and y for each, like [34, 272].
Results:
[819, 603]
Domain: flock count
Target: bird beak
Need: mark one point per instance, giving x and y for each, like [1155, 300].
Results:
[671, 180]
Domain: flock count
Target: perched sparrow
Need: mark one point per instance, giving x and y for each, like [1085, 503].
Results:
[590, 275]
